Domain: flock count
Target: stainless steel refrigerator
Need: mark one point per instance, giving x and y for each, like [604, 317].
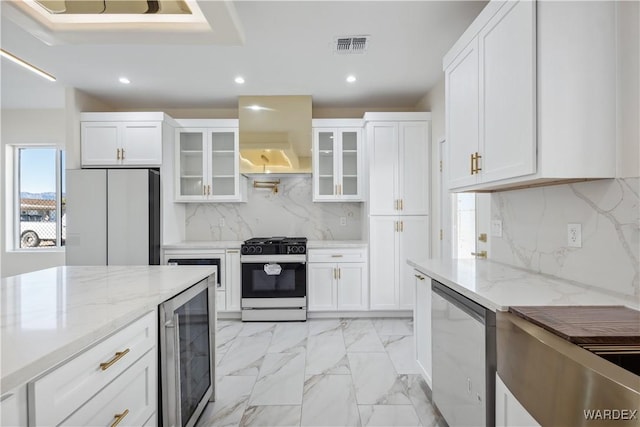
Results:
[113, 217]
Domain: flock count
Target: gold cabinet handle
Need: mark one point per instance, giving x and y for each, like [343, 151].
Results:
[117, 154]
[122, 153]
[473, 157]
[336, 256]
[339, 273]
[119, 355]
[335, 273]
[419, 277]
[232, 251]
[395, 225]
[119, 417]
[478, 157]
[204, 190]
[401, 204]
[401, 225]
[481, 254]
[395, 205]
[482, 237]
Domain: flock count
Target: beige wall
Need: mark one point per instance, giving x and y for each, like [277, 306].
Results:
[628, 88]
[43, 127]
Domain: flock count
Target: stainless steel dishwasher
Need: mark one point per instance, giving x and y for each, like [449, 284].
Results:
[464, 358]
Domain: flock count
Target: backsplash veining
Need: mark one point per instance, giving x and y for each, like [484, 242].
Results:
[534, 223]
[290, 212]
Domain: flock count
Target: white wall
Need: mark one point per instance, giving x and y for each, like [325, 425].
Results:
[434, 101]
[44, 127]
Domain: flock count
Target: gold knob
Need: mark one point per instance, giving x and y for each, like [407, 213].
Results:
[482, 237]
[481, 254]
[119, 355]
[119, 417]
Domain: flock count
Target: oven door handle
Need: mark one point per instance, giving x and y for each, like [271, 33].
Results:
[266, 259]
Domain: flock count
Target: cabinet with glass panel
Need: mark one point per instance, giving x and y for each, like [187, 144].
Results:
[207, 164]
[337, 160]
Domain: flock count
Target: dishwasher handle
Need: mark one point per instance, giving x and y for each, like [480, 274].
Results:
[470, 307]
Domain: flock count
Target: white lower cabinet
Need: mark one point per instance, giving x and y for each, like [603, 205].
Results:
[232, 279]
[509, 411]
[13, 407]
[116, 375]
[392, 240]
[337, 280]
[422, 324]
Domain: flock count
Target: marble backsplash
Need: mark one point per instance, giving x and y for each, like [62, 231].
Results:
[290, 212]
[534, 226]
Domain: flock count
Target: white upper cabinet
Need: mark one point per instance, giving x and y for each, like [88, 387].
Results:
[518, 84]
[398, 146]
[121, 139]
[207, 163]
[337, 160]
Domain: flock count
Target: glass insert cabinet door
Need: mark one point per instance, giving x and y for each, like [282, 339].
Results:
[192, 162]
[326, 168]
[337, 164]
[224, 163]
[350, 162]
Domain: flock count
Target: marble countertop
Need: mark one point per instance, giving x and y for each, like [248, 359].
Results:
[498, 286]
[210, 244]
[50, 315]
[321, 244]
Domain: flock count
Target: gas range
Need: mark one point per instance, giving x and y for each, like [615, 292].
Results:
[274, 246]
[274, 279]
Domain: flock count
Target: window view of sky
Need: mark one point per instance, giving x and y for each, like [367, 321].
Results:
[38, 170]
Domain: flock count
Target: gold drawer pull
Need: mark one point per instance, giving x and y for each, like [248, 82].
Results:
[119, 355]
[336, 256]
[119, 417]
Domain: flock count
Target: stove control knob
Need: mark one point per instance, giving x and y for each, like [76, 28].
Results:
[292, 249]
[258, 249]
[244, 250]
[301, 249]
[252, 249]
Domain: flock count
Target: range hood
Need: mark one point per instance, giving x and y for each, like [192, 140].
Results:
[275, 134]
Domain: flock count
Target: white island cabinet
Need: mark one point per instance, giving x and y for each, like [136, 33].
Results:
[422, 325]
[520, 86]
[79, 344]
[509, 411]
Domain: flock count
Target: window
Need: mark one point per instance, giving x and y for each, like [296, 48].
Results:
[39, 197]
[464, 225]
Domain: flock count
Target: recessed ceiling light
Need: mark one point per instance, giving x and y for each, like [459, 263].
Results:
[124, 80]
[351, 78]
[239, 80]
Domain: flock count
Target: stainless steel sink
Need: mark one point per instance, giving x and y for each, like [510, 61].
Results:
[556, 380]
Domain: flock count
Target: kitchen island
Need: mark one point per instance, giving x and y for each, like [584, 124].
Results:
[50, 316]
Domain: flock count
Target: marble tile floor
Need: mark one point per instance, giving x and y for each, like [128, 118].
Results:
[323, 372]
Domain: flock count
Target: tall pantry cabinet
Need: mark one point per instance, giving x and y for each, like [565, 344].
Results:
[398, 204]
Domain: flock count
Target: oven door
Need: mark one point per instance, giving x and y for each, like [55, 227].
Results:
[274, 276]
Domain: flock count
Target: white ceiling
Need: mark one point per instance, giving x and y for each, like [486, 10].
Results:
[288, 50]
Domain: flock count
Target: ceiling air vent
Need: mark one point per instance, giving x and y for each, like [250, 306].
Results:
[351, 44]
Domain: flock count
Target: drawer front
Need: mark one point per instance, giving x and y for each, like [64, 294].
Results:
[56, 395]
[131, 397]
[337, 255]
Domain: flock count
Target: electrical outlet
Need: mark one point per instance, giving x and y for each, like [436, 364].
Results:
[574, 235]
[343, 220]
[221, 222]
[496, 228]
